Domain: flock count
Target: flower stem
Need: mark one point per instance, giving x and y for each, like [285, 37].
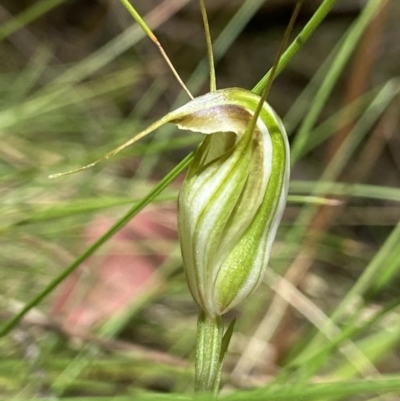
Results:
[208, 354]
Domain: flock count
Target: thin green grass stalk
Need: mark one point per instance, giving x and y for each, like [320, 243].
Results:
[361, 128]
[300, 106]
[274, 69]
[223, 42]
[102, 240]
[353, 297]
[115, 47]
[320, 391]
[335, 167]
[72, 371]
[149, 99]
[317, 317]
[375, 347]
[235, 26]
[352, 38]
[388, 274]
[55, 92]
[347, 114]
[88, 354]
[297, 43]
[331, 188]
[30, 76]
[313, 392]
[154, 39]
[370, 274]
[352, 330]
[213, 79]
[27, 16]
[17, 114]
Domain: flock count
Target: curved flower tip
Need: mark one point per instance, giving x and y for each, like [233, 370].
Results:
[233, 197]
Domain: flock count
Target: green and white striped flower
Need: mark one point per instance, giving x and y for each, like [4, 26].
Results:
[233, 196]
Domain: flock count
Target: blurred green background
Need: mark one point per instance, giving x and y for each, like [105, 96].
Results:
[78, 78]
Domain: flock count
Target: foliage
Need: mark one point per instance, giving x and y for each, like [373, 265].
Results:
[332, 318]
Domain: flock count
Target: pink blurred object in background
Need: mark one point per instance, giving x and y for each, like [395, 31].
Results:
[120, 273]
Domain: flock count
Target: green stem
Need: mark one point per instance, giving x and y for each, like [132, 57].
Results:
[208, 354]
[299, 41]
